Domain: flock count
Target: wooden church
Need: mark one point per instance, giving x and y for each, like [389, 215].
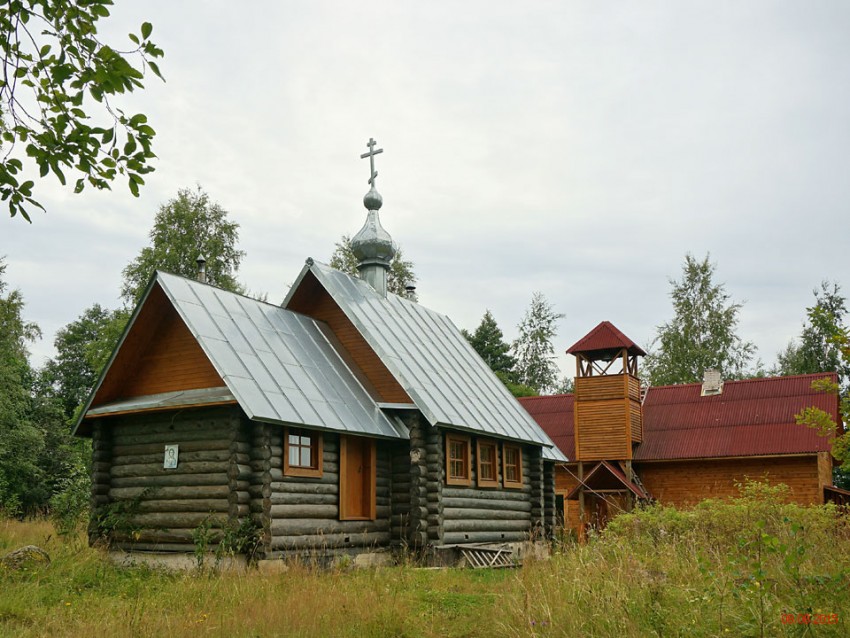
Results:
[348, 420]
[676, 444]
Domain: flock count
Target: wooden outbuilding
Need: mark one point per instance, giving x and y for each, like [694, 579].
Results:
[676, 444]
[349, 420]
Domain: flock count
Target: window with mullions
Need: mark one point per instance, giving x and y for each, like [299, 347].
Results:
[487, 464]
[302, 452]
[457, 460]
[512, 466]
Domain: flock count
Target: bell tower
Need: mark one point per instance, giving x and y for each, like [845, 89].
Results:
[608, 419]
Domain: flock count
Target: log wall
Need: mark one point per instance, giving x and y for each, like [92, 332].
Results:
[209, 485]
[100, 479]
[489, 515]
[549, 510]
[304, 511]
[423, 493]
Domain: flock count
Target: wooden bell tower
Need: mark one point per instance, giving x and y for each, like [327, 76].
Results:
[608, 420]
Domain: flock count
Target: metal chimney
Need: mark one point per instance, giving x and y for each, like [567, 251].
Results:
[202, 269]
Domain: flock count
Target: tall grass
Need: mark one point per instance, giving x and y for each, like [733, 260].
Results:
[722, 568]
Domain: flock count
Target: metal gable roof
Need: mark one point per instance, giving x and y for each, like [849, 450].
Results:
[277, 363]
[432, 361]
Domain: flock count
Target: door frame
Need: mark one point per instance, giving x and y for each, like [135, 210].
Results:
[344, 515]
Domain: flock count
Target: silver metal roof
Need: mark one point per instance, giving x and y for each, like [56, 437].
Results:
[432, 361]
[176, 399]
[278, 364]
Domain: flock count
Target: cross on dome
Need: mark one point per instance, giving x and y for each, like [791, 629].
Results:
[371, 155]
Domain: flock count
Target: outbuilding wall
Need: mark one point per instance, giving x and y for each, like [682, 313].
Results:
[683, 483]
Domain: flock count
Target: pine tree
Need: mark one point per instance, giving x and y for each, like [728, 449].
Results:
[533, 350]
[702, 334]
[489, 342]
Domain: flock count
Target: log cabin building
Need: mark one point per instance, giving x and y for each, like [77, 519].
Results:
[676, 444]
[348, 420]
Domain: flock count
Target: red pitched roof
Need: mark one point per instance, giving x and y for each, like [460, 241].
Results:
[605, 337]
[606, 476]
[555, 415]
[754, 417]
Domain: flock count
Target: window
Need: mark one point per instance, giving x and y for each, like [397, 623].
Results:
[457, 455]
[512, 465]
[487, 464]
[302, 452]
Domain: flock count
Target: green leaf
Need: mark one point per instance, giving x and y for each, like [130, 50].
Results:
[108, 135]
[155, 68]
[134, 188]
[21, 71]
[134, 38]
[81, 183]
[147, 29]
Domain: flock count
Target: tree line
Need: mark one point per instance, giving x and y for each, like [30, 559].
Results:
[43, 468]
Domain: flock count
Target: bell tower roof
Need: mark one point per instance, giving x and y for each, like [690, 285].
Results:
[605, 340]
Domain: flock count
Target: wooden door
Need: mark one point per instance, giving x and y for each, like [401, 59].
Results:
[356, 478]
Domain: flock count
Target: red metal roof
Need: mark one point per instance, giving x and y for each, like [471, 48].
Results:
[605, 337]
[555, 415]
[754, 417]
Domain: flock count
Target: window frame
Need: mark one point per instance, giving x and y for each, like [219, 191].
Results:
[480, 443]
[316, 453]
[505, 481]
[459, 480]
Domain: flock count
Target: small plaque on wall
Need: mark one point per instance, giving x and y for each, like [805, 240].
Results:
[170, 461]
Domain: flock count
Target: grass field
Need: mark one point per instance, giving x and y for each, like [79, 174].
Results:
[738, 569]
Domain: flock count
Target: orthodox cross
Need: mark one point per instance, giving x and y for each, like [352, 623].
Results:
[371, 155]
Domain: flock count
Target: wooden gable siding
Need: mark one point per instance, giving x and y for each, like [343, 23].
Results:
[602, 430]
[158, 355]
[636, 416]
[607, 417]
[312, 299]
[682, 483]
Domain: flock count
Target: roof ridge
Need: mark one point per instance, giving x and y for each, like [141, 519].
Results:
[229, 292]
[748, 380]
[546, 396]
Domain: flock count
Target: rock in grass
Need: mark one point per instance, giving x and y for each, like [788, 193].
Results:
[26, 557]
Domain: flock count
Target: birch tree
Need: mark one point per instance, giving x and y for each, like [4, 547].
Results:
[533, 350]
[703, 331]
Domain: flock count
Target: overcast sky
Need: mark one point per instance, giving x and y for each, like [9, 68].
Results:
[579, 149]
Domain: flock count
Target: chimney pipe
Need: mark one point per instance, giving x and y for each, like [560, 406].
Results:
[410, 292]
[202, 269]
